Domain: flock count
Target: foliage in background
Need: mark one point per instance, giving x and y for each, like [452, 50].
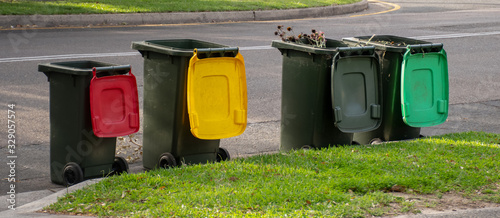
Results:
[25, 7]
[348, 181]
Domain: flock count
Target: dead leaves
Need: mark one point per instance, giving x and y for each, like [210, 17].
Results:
[129, 146]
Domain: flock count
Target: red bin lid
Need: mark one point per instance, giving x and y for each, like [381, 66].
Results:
[114, 103]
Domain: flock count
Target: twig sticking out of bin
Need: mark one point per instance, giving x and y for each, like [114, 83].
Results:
[370, 39]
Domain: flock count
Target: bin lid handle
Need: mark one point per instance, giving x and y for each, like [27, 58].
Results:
[423, 48]
[95, 70]
[349, 51]
[216, 52]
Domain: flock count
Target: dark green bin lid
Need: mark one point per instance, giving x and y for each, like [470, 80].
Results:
[356, 92]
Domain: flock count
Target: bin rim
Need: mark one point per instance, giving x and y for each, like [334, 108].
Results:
[364, 41]
[332, 50]
[65, 67]
[156, 46]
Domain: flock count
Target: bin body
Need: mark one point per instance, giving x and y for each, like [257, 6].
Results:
[306, 103]
[166, 125]
[391, 49]
[71, 134]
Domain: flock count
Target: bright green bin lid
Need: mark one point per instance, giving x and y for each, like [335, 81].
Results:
[424, 85]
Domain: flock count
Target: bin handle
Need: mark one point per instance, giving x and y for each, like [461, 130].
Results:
[216, 52]
[348, 51]
[422, 48]
[111, 68]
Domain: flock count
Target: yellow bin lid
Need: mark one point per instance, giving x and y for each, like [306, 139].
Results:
[217, 93]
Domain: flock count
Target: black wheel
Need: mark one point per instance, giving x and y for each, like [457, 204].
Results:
[222, 155]
[72, 174]
[167, 160]
[120, 166]
[375, 141]
[355, 143]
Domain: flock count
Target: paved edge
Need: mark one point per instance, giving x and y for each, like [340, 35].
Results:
[7, 21]
[32, 207]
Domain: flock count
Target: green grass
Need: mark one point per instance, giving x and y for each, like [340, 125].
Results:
[349, 181]
[25, 7]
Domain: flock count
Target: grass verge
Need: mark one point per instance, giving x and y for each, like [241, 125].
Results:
[347, 181]
[29, 7]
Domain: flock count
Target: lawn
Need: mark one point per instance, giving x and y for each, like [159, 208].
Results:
[29, 7]
[344, 181]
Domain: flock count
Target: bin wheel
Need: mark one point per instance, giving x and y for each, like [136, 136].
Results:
[120, 166]
[167, 160]
[72, 174]
[222, 155]
[422, 136]
[355, 143]
[306, 147]
[375, 141]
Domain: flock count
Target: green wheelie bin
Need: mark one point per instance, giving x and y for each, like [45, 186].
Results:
[414, 84]
[167, 137]
[76, 152]
[327, 94]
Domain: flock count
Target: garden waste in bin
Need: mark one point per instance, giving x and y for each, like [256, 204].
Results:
[327, 94]
[194, 95]
[415, 86]
[91, 103]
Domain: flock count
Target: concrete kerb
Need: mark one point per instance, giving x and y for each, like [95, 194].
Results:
[28, 210]
[310, 12]
[7, 21]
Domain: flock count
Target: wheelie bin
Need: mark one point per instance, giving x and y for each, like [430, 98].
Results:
[91, 103]
[327, 94]
[414, 83]
[194, 95]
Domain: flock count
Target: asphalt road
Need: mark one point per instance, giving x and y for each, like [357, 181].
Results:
[469, 31]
